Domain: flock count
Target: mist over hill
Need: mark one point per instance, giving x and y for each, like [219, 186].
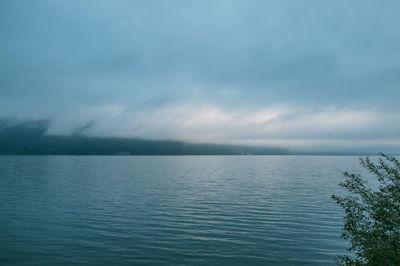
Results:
[29, 138]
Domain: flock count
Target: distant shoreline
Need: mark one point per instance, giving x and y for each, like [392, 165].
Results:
[27, 144]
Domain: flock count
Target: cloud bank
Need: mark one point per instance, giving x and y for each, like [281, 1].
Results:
[306, 74]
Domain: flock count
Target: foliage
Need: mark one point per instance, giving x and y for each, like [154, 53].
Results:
[372, 214]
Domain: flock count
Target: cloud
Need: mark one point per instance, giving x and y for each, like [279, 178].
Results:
[257, 69]
[292, 127]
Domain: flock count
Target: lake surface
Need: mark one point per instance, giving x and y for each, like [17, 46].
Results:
[215, 210]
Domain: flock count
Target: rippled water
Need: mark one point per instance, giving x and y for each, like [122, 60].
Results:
[170, 210]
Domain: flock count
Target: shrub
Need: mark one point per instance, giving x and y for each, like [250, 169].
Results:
[372, 215]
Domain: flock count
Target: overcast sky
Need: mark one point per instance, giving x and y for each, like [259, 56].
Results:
[301, 74]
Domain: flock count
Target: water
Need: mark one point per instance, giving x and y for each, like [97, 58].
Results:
[212, 210]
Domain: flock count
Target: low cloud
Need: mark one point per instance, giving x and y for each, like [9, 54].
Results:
[294, 127]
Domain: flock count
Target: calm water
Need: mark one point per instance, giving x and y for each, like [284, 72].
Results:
[273, 210]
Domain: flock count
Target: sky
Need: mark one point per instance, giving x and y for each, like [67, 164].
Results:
[316, 75]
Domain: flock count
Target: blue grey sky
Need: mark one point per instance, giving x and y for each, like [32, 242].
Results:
[300, 74]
